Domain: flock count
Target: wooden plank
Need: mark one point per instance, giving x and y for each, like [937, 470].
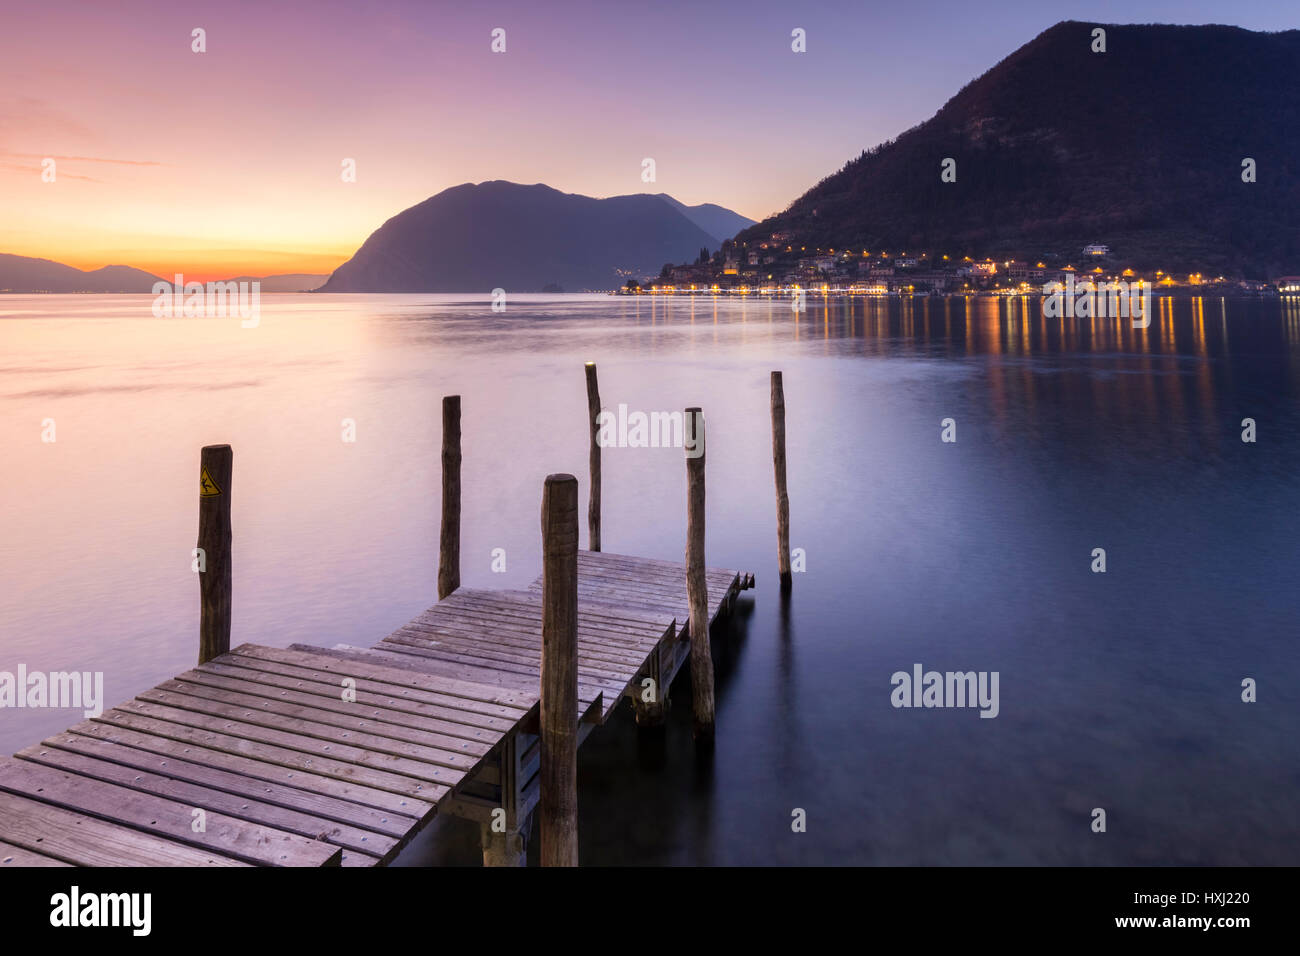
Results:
[590, 682]
[304, 725]
[645, 599]
[169, 819]
[632, 596]
[484, 672]
[390, 694]
[490, 718]
[487, 620]
[667, 591]
[419, 771]
[590, 712]
[526, 602]
[636, 561]
[139, 732]
[434, 663]
[642, 600]
[523, 661]
[662, 590]
[501, 668]
[648, 597]
[16, 856]
[663, 580]
[332, 665]
[405, 786]
[86, 841]
[192, 795]
[717, 599]
[617, 655]
[509, 659]
[442, 661]
[480, 737]
[212, 773]
[329, 716]
[498, 625]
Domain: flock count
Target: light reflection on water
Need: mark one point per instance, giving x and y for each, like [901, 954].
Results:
[1117, 690]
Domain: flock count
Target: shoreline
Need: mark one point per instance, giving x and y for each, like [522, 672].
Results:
[789, 292]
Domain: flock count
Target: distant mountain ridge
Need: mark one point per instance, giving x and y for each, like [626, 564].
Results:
[498, 234]
[285, 282]
[26, 274]
[716, 220]
[1140, 148]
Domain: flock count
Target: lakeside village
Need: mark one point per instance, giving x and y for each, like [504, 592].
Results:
[776, 268]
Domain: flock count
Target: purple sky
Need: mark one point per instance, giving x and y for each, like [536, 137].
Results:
[231, 159]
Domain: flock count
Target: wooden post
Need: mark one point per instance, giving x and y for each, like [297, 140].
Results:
[503, 849]
[782, 494]
[593, 416]
[449, 539]
[651, 713]
[697, 590]
[508, 846]
[216, 463]
[558, 806]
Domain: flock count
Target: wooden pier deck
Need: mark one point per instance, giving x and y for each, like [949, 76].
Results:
[314, 756]
[311, 756]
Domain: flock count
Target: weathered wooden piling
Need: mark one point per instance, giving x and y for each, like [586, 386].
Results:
[697, 591]
[449, 538]
[650, 713]
[558, 806]
[593, 416]
[216, 464]
[502, 848]
[782, 494]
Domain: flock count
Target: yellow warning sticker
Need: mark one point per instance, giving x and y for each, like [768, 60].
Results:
[207, 487]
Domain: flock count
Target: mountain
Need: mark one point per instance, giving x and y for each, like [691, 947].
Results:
[24, 274]
[716, 220]
[1140, 148]
[474, 238]
[286, 282]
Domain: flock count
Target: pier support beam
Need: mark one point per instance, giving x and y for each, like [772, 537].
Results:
[651, 713]
[558, 808]
[449, 538]
[508, 848]
[697, 590]
[593, 419]
[216, 464]
[782, 493]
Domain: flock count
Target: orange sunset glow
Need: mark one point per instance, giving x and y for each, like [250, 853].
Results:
[228, 161]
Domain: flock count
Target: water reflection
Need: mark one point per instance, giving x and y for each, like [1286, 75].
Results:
[1118, 689]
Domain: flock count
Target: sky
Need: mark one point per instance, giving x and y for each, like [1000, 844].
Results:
[229, 161]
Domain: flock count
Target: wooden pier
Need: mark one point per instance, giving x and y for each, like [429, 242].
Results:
[313, 756]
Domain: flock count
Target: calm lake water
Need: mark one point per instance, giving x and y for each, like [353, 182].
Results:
[1119, 690]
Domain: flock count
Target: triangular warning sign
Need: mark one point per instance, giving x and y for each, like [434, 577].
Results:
[207, 487]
